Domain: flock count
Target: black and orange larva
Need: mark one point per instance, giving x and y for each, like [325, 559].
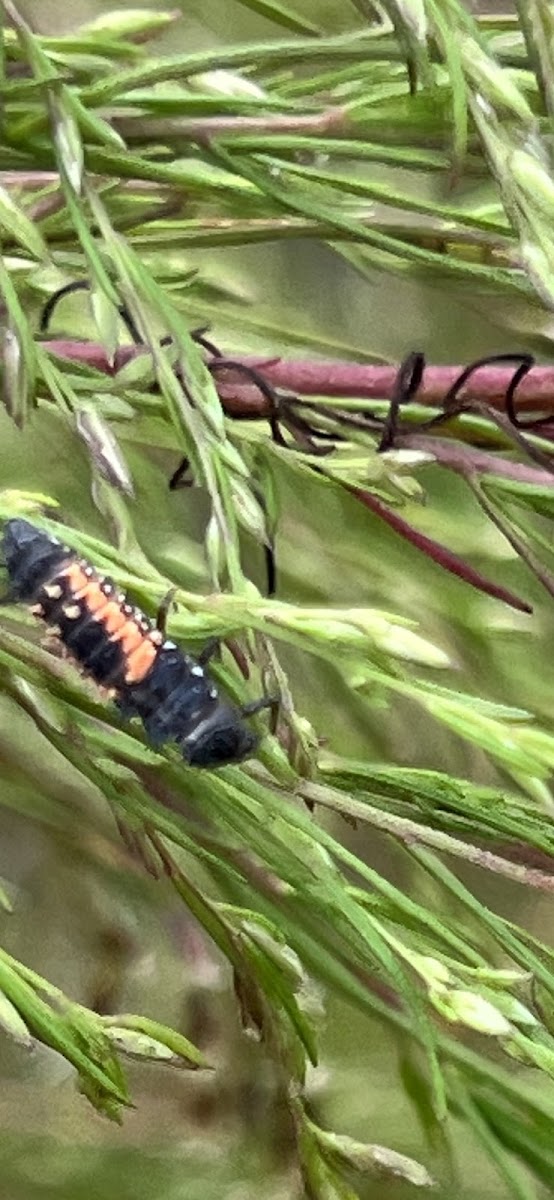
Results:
[148, 676]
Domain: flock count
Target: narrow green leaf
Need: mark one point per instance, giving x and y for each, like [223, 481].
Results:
[14, 223]
[371, 1159]
[91, 124]
[451, 50]
[494, 82]
[67, 141]
[519, 1187]
[281, 14]
[15, 381]
[159, 1040]
[537, 25]
[19, 352]
[106, 318]
[53, 1031]
[538, 497]
[118, 24]
[304, 203]
[352, 47]
[104, 449]
[272, 981]
[13, 1024]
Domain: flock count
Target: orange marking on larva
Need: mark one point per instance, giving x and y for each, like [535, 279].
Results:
[139, 662]
[78, 581]
[86, 587]
[111, 617]
[93, 597]
[130, 637]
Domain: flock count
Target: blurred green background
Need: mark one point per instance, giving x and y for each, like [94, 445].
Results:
[117, 940]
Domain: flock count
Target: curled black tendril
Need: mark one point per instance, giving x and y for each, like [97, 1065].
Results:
[82, 285]
[305, 423]
[269, 393]
[407, 384]
[270, 569]
[179, 478]
[527, 362]
[79, 285]
[454, 403]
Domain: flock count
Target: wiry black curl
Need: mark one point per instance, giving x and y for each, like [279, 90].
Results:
[82, 285]
[303, 427]
[410, 377]
[407, 384]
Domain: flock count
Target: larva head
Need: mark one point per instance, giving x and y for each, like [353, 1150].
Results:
[221, 739]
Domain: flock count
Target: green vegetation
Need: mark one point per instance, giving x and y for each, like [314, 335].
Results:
[410, 146]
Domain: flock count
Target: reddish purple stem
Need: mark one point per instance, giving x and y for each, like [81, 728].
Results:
[344, 380]
[439, 554]
[370, 382]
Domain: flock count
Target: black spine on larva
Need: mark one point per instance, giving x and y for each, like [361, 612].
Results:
[31, 557]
